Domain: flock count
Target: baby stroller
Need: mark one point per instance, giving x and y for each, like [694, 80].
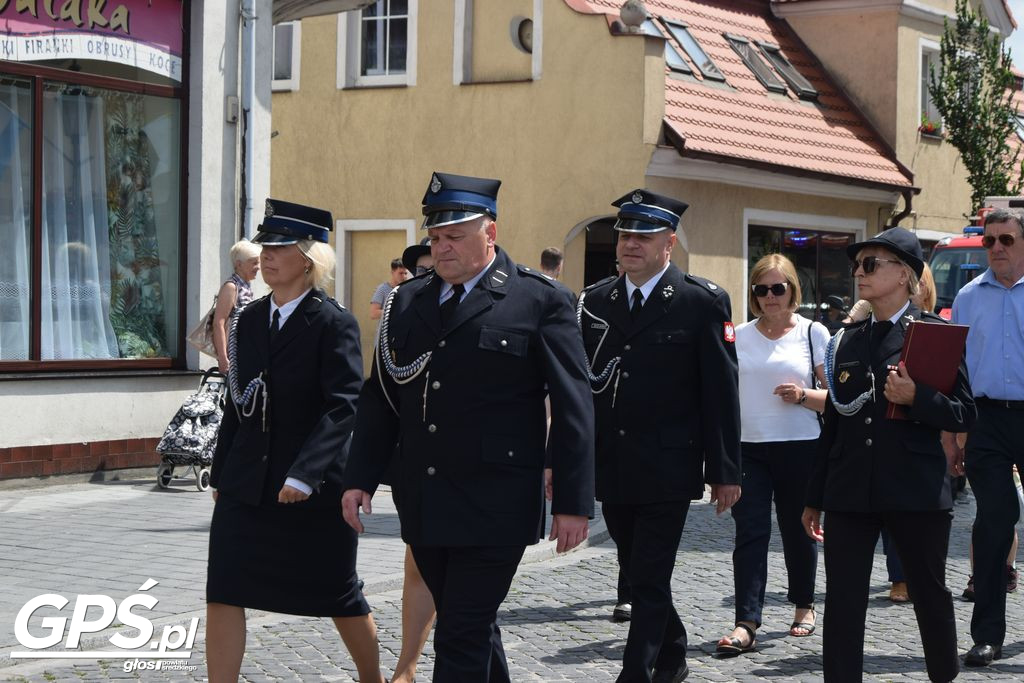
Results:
[191, 437]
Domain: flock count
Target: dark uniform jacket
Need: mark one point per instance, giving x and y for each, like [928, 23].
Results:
[867, 463]
[471, 426]
[668, 418]
[313, 372]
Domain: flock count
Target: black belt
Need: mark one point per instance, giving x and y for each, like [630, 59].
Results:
[999, 402]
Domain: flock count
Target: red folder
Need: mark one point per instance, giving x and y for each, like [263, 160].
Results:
[932, 353]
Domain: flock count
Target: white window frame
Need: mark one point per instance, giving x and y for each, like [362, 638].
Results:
[343, 248]
[285, 84]
[799, 221]
[462, 64]
[930, 46]
[349, 39]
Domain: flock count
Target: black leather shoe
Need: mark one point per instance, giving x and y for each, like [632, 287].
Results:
[622, 612]
[983, 654]
[676, 675]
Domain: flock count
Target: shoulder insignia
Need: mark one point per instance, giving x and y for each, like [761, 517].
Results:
[335, 302]
[932, 317]
[706, 284]
[610, 278]
[535, 274]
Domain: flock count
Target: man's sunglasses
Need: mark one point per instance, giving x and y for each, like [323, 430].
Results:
[1006, 239]
[778, 289]
[869, 263]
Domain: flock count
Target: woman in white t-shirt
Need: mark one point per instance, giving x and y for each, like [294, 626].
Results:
[778, 400]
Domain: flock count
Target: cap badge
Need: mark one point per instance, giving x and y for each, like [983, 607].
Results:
[435, 184]
[666, 292]
[268, 209]
[638, 198]
[843, 376]
[614, 295]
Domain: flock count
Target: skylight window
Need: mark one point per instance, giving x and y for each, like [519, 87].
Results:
[1018, 124]
[675, 61]
[754, 62]
[800, 85]
[693, 49]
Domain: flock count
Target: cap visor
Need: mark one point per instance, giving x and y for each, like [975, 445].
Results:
[633, 225]
[440, 219]
[274, 239]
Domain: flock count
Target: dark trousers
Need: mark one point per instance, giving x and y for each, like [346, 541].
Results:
[892, 558]
[778, 470]
[922, 539]
[622, 591]
[995, 444]
[468, 585]
[647, 538]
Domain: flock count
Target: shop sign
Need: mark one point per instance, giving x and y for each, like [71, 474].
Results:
[148, 34]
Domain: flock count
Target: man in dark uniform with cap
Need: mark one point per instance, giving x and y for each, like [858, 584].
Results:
[463, 357]
[662, 357]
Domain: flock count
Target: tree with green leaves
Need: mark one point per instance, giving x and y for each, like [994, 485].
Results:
[972, 92]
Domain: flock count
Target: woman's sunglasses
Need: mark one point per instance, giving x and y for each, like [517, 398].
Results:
[869, 263]
[1006, 239]
[778, 289]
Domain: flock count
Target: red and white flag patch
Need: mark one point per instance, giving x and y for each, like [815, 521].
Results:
[729, 333]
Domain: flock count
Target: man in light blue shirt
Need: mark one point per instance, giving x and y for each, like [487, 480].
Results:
[993, 306]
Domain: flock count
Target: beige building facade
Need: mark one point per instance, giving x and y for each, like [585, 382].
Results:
[568, 108]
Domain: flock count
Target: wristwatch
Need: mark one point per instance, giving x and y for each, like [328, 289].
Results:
[803, 396]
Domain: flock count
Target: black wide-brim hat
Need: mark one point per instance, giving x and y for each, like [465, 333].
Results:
[900, 242]
[413, 253]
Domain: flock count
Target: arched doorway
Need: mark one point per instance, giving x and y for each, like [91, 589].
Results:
[599, 258]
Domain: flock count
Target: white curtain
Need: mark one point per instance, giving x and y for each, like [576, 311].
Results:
[15, 199]
[76, 247]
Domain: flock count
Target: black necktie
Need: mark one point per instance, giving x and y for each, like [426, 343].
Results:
[448, 307]
[275, 325]
[638, 303]
[878, 331]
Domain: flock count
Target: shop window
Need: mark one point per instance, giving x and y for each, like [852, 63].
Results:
[753, 61]
[107, 233]
[801, 87]
[822, 265]
[692, 48]
[287, 50]
[377, 45]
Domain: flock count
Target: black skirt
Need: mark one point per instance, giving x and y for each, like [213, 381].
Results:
[292, 559]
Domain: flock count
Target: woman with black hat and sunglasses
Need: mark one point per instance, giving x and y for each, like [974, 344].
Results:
[872, 472]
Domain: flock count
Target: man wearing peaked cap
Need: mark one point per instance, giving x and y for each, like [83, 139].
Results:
[662, 367]
[464, 358]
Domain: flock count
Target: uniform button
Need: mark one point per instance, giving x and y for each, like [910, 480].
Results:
[622, 432]
[442, 343]
[431, 471]
[867, 420]
[625, 375]
[511, 453]
[504, 342]
[627, 347]
[867, 442]
[431, 428]
[264, 458]
[435, 385]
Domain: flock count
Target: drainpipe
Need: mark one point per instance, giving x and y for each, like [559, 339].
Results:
[248, 68]
[907, 202]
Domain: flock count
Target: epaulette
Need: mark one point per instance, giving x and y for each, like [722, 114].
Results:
[610, 278]
[335, 302]
[526, 270]
[932, 317]
[704, 283]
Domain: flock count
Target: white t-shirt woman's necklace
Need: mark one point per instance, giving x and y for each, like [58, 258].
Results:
[765, 364]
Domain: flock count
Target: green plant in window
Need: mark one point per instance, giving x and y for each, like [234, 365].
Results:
[929, 127]
[137, 300]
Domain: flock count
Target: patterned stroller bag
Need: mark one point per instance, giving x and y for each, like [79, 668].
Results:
[191, 437]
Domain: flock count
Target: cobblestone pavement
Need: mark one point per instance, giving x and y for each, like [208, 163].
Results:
[110, 537]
